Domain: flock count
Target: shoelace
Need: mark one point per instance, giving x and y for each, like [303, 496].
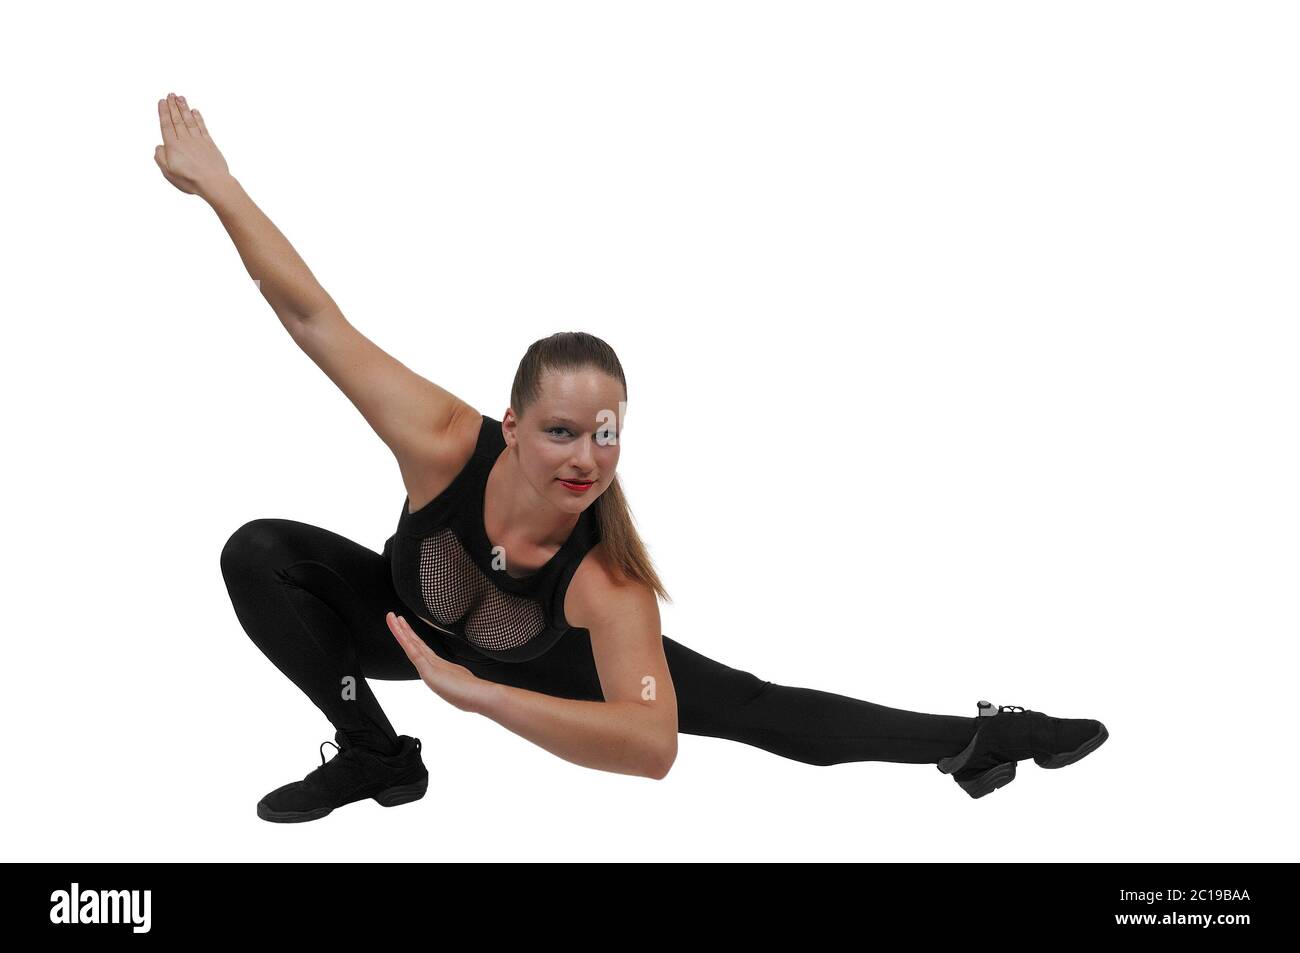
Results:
[1002, 708]
[338, 750]
[340, 769]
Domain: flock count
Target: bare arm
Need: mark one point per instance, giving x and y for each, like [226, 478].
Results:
[626, 737]
[281, 275]
[622, 737]
[190, 160]
[423, 424]
[634, 730]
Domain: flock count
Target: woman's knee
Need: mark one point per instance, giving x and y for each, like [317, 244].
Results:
[256, 544]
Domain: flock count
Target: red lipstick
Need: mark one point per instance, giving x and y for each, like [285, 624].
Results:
[577, 487]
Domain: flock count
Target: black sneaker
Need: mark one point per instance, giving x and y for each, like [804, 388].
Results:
[1009, 734]
[354, 773]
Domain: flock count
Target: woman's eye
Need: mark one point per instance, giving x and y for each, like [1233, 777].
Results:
[602, 435]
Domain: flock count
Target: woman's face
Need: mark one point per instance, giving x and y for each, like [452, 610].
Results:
[571, 433]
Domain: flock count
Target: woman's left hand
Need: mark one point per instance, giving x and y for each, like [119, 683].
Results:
[455, 683]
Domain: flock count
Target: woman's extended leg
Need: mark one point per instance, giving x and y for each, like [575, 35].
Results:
[804, 724]
[314, 602]
[718, 701]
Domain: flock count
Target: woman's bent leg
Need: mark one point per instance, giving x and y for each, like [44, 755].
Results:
[314, 602]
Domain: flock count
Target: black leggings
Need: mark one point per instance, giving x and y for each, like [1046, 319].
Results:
[315, 603]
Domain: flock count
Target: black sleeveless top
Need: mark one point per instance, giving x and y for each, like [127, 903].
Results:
[443, 567]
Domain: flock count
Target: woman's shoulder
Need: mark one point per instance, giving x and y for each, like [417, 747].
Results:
[599, 586]
[467, 439]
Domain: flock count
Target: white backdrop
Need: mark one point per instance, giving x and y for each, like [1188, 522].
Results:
[961, 348]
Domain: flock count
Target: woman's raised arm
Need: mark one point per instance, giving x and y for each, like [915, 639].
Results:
[423, 424]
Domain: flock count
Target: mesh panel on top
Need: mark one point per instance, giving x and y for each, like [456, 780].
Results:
[453, 588]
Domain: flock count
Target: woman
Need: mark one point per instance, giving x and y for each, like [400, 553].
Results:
[515, 584]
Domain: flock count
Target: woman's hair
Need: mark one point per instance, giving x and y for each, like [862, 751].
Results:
[572, 351]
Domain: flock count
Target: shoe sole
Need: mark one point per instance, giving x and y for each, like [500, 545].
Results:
[995, 777]
[1003, 774]
[1069, 757]
[389, 797]
[403, 793]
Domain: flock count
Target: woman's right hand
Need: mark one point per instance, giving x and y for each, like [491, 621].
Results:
[188, 157]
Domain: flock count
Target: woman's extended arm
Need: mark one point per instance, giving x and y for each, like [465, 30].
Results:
[281, 275]
[424, 425]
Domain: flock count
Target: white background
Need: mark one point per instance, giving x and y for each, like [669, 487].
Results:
[961, 349]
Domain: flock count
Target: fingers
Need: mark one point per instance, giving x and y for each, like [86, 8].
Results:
[187, 117]
[416, 643]
[174, 111]
[179, 126]
[416, 650]
[203, 128]
[397, 630]
[165, 121]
